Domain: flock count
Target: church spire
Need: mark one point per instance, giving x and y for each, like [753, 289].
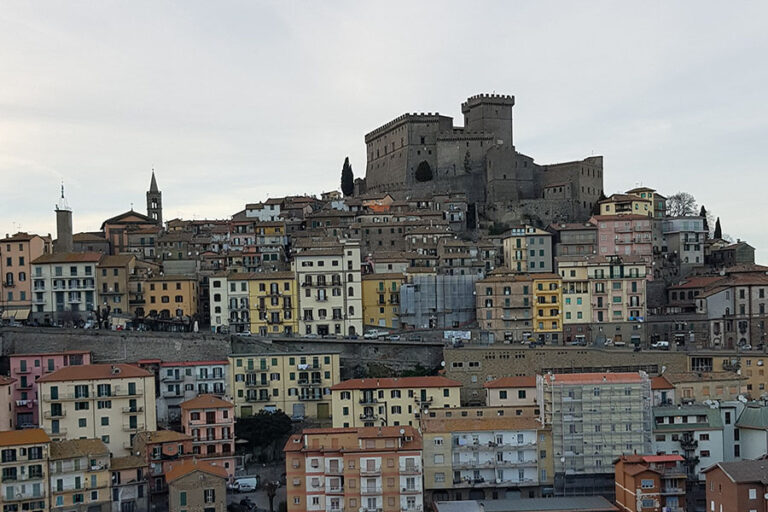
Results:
[155, 201]
[153, 183]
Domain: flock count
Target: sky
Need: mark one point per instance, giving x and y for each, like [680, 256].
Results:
[233, 102]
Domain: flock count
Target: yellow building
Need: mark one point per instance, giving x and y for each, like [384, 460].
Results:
[169, 297]
[274, 303]
[297, 383]
[381, 300]
[110, 402]
[659, 201]
[626, 204]
[391, 401]
[80, 475]
[547, 307]
[25, 470]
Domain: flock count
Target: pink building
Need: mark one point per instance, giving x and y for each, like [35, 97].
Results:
[211, 423]
[27, 368]
[7, 419]
[624, 235]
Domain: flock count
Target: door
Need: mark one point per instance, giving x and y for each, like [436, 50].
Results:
[246, 411]
[298, 411]
[323, 411]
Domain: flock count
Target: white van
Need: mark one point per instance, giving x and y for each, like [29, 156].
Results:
[248, 484]
[660, 345]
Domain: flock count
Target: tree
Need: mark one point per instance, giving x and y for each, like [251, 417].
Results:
[681, 204]
[467, 162]
[423, 172]
[703, 215]
[265, 431]
[347, 179]
[718, 229]
[596, 208]
[271, 493]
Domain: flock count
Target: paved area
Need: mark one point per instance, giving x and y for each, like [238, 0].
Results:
[266, 473]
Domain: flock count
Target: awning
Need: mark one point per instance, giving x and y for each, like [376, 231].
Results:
[17, 314]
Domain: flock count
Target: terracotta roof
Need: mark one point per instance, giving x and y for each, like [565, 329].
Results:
[187, 363]
[177, 470]
[512, 382]
[594, 378]
[4, 381]
[117, 260]
[378, 277]
[204, 402]
[662, 458]
[265, 276]
[401, 382]
[162, 436]
[129, 462]
[696, 282]
[95, 371]
[77, 448]
[69, 257]
[661, 383]
[472, 424]
[23, 437]
[350, 443]
[20, 237]
[88, 237]
[680, 377]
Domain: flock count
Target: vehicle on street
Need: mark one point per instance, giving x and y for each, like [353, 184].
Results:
[660, 345]
[245, 484]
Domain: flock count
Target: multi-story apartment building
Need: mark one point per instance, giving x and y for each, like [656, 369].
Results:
[381, 300]
[111, 402]
[625, 235]
[595, 417]
[390, 401]
[626, 204]
[64, 287]
[7, 403]
[27, 369]
[298, 383]
[511, 392]
[129, 484]
[574, 239]
[169, 296]
[112, 278]
[504, 304]
[737, 486]
[547, 308]
[482, 457]
[25, 470]
[16, 255]
[650, 482]
[528, 249]
[274, 304]
[372, 469]
[330, 300]
[79, 470]
[684, 236]
[577, 299]
[196, 485]
[693, 431]
[181, 381]
[211, 423]
[160, 449]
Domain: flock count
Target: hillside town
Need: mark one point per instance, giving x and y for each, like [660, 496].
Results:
[462, 328]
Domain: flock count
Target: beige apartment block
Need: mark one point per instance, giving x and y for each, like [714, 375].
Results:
[297, 383]
[504, 305]
[391, 401]
[110, 402]
[80, 476]
[511, 392]
[24, 465]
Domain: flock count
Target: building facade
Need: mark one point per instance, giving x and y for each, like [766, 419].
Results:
[16, 255]
[25, 484]
[186, 380]
[211, 423]
[64, 287]
[80, 475]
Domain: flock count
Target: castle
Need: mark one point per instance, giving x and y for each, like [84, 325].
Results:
[480, 160]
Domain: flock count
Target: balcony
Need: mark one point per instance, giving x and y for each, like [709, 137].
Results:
[134, 428]
[256, 384]
[368, 400]
[48, 415]
[62, 432]
[366, 471]
[210, 377]
[310, 397]
[264, 368]
[415, 508]
[26, 385]
[259, 398]
[310, 383]
[671, 491]
[172, 378]
[335, 490]
[139, 408]
[22, 370]
[406, 469]
[410, 490]
[368, 417]
[370, 491]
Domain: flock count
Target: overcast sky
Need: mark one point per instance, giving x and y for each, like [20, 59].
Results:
[232, 102]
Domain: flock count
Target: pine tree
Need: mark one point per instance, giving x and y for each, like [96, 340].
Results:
[703, 215]
[718, 229]
[347, 179]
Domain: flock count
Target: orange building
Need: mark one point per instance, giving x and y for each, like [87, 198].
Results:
[368, 468]
[16, 255]
[646, 483]
[211, 423]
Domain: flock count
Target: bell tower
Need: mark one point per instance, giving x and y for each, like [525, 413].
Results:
[155, 202]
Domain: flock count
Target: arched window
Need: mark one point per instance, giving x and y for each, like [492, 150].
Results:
[350, 292]
[351, 310]
[9, 278]
[349, 278]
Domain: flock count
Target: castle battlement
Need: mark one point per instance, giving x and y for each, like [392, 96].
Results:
[461, 134]
[408, 117]
[494, 99]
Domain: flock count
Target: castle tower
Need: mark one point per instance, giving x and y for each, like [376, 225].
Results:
[155, 201]
[63, 225]
[490, 113]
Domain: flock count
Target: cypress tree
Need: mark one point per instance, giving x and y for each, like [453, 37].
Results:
[347, 179]
[718, 229]
[703, 215]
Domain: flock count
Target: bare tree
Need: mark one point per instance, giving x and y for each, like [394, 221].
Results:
[681, 204]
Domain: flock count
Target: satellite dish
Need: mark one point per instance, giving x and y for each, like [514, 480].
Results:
[402, 431]
[442, 363]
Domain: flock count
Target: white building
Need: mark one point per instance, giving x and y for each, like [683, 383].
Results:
[64, 286]
[182, 381]
[269, 210]
[330, 294]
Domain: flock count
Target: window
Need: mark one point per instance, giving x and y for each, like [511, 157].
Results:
[646, 484]
[209, 496]
[753, 494]
[183, 498]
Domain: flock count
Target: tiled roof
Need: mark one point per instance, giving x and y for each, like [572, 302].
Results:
[621, 218]
[68, 257]
[594, 378]
[512, 382]
[296, 442]
[267, 276]
[753, 416]
[401, 382]
[190, 363]
[162, 436]
[88, 237]
[204, 402]
[661, 383]
[95, 371]
[681, 377]
[379, 277]
[23, 437]
[4, 381]
[696, 282]
[744, 471]
[179, 469]
[77, 448]
[19, 237]
[117, 260]
[129, 462]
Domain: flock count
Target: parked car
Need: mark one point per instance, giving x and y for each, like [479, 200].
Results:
[394, 337]
[245, 484]
[660, 345]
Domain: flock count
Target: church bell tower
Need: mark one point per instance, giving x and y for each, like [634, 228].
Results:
[155, 202]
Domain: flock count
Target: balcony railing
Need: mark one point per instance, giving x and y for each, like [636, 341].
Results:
[139, 408]
[366, 471]
[51, 415]
[370, 490]
[129, 428]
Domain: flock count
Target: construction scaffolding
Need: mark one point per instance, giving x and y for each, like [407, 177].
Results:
[435, 301]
